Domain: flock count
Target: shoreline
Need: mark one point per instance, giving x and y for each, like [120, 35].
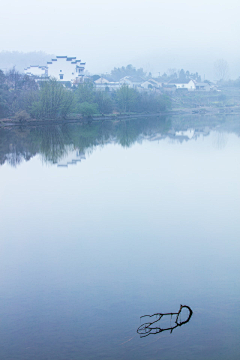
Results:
[234, 110]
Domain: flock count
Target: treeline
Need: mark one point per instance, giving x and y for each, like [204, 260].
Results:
[230, 83]
[21, 97]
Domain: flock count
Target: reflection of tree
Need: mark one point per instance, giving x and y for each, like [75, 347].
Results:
[54, 142]
[149, 328]
[15, 146]
[219, 140]
[127, 134]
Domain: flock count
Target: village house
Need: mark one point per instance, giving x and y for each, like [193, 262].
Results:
[170, 88]
[65, 68]
[62, 68]
[203, 86]
[132, 81]
[103, 84]
[188, 84]
[36, 70]
[151, 84]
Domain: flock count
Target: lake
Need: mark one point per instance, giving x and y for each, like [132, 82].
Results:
[102, 223]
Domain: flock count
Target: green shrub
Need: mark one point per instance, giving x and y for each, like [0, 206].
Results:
[87, 109]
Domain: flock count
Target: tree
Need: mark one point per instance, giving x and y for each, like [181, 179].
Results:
[4, 99]
[95, 77]
[87, 109]
[126, 98]
[129, 70]
[182, 75]
[4, 95]
[2, 79]
[221, 69]
[84, 93]
[54, 101]
[104, 102]
[13, 78]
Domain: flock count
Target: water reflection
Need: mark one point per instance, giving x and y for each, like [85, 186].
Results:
[54, 143]
[149, 328]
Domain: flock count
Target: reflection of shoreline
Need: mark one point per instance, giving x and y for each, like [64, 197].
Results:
[55, 144]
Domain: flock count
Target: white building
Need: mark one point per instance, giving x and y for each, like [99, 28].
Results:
[36, 70]
[62, 68]
[65, 68]
[183, 84]
[131, 81]
[151, 84]
[103, 84]
[203, 86]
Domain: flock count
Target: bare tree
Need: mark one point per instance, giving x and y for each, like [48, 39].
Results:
[221, 69]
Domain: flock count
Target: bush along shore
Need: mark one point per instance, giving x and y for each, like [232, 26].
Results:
[22, 99]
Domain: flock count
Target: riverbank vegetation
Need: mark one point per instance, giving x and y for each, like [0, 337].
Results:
[22, 98]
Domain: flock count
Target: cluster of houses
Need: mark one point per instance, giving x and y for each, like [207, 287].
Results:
[140, 84]
[69, 69]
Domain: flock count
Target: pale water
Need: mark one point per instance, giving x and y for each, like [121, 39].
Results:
[101, 224]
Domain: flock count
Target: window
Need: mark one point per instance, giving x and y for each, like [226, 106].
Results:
[61, 77]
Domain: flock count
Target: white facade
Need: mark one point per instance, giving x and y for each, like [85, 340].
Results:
[65, 68]
[190, 85]
[35, 70]
[131, 81]
[103, 84]
[151, 84]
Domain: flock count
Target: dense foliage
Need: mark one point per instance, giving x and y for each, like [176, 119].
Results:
[129, 70]
[23, 98]
[54, 101]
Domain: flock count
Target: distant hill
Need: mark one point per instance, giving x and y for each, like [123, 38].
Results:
[21, 60]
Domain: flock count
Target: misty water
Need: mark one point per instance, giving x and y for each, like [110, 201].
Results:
[104, 222]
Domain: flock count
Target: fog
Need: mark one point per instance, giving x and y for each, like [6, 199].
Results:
[153, 34]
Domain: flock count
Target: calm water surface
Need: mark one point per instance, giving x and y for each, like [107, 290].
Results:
[142, 224]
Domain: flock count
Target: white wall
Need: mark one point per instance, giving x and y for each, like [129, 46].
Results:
[190, 86]
[65, 68]
[35, 70]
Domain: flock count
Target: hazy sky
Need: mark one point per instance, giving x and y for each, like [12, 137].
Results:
[155, 34]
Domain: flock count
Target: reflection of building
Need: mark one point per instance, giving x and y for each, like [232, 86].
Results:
[63, 68]
[71, 159]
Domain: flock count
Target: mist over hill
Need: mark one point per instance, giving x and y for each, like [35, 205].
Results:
[21, 60]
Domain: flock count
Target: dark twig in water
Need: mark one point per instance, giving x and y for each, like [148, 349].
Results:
[147, 328]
